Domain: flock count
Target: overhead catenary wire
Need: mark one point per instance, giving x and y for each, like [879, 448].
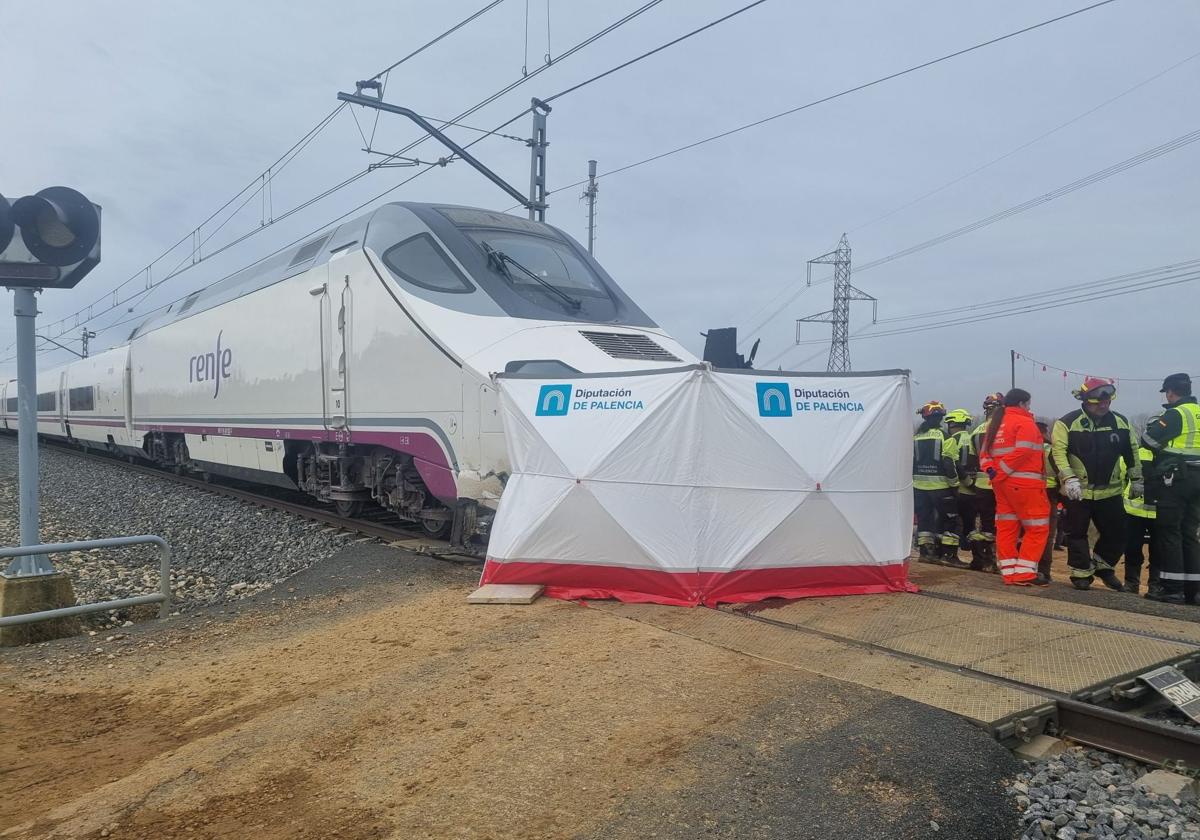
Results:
[856, 88]
[438, 38]
[261, 178]
[657, 49]
[151, 286]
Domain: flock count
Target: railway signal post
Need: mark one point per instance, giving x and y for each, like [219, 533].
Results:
[49, 240]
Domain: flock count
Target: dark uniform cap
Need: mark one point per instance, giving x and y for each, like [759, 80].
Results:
[1177, 382]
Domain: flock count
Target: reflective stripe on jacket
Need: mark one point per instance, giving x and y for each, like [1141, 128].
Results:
[1138, 506]
[1016, 453]
[1092, 451]
[931, 468]
[977, 435]
[1187, 443]
[1048, 467]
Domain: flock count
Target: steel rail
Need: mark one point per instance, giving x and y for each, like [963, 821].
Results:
[1129, 735]
[367, 528]
[1117, 732]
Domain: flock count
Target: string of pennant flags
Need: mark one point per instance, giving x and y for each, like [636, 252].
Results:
[1074, 377]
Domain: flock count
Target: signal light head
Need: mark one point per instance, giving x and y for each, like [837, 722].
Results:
[6, 223]
[58, 224]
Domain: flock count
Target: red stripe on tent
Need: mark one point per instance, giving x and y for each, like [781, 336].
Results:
[573, 581]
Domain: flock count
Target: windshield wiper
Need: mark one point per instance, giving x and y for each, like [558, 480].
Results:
[502, 261]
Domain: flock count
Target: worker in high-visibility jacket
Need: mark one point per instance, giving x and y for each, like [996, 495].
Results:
[934, 483]
[958, 447]
[982, 538]
[1013, 458]
[1139, 521]
[1052, 499]
[1088, 447]
[1174, 438]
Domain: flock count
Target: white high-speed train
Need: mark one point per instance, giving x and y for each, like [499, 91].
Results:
[357, 367]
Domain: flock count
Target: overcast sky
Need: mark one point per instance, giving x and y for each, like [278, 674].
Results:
[162, 111]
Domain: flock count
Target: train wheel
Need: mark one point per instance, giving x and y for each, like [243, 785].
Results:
[348, 508]
[437, 529]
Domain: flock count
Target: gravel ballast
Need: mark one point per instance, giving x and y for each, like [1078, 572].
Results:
[221, 548]
[1086, 794]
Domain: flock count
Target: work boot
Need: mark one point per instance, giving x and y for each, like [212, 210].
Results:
[1132, 586]
[1110, 579]
[1041, 580]
[1165, 596]
[926, 553]
[978, 557]
[949, 557]
[1082, 582]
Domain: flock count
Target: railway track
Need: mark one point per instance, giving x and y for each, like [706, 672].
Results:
[1111, 716]
[377, 527]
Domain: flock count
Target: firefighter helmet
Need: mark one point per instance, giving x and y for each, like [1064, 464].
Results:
[993, 400]
[931, 408]
[960, 416]
[1095, 389]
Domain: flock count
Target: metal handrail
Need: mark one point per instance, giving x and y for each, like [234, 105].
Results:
[162, 597]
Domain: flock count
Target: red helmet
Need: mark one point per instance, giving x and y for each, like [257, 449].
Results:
[994, 400]
[931, 408]
[1095, 389]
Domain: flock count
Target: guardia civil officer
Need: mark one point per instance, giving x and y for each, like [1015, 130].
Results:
[1175, 441]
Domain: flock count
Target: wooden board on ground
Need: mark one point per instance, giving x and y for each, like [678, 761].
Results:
[505, 593]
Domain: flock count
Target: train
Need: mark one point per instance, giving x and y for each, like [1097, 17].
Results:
[359, 367]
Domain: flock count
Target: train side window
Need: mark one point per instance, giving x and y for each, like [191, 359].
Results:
[47, 401]
[82, 399]
[421, 262]
[12, 405]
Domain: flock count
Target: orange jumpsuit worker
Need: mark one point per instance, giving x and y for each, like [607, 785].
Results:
[1013, 458]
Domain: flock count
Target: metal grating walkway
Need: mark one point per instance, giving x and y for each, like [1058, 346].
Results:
[982, 659]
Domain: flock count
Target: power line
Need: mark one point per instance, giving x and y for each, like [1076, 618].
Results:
[1028, 143]
[429, 44]
[842, 93]
[1045, 293]
[657, 49]
[270, 171]
[180, 268]
[1086, 181]
[784, 290]
[265, 180]
[1145, 280]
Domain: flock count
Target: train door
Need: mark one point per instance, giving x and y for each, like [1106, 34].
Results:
[127, 388]
[336, 302]
[62, 404]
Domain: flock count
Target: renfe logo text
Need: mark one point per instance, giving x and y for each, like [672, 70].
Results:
[211, 366]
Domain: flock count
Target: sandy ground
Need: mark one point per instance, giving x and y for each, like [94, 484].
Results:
[375, 703]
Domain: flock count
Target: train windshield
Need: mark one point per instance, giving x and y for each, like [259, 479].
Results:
[523, 268]
[538, 266]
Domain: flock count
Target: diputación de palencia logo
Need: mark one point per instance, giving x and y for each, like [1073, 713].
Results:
[777, 399]
[558, 400]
